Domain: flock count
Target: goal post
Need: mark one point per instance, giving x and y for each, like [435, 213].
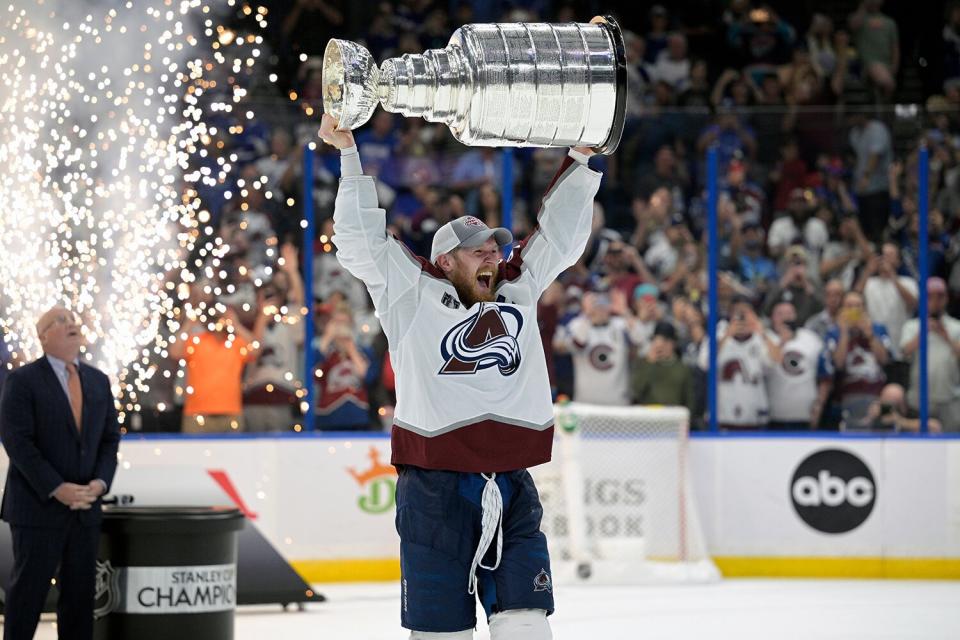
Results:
[618, 506]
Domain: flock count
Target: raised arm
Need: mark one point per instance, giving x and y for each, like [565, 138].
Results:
[563, 224]
[390, 272]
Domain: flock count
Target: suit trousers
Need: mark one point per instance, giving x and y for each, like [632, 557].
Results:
[39, 555]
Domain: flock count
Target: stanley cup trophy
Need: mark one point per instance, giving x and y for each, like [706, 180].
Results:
[511, 84]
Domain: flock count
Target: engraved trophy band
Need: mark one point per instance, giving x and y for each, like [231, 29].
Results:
[509, 84]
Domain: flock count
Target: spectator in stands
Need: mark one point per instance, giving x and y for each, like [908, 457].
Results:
[672, 64]
[732, 90]
[251, 240]
[668, 173]
[622, 268]
[599, 340]
[215, 359]
[744, 355]
[833, 192]
[788, 175]
[891, 413]
[795, 286]
[937, 244]
[664, 252]
[798, 226]
[698, 91]
[943, 357]
[821, 323]
[475, 168]
[873, 147]
[878, 43]
[657, 38]
[761, 43]
[731, 135]
[687, 278]
[747, 196]
[852, 362]
[343, 375]
[890, 298]
[800, 82]
[652, 216]
[661, 125]
[754, 269]
[792, 382]
[638, 73]
[820, 45]
[659, 377]
[272, 379]
[648, 312]
[848, 64]
[844, 255]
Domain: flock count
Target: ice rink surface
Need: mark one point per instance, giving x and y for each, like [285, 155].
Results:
[731, 609]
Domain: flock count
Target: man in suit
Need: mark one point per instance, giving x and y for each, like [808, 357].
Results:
[59, 427]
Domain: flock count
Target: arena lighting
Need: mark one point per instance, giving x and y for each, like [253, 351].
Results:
[105, 146]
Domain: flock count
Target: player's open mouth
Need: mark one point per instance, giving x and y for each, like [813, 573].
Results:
[484, 278]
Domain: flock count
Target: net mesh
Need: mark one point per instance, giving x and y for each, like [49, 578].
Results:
[617, 499]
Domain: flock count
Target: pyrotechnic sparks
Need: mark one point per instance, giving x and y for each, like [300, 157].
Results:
[106, 147]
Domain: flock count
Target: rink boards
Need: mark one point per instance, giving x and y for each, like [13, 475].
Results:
[769, 505]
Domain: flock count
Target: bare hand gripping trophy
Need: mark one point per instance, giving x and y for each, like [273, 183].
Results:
[511, 84]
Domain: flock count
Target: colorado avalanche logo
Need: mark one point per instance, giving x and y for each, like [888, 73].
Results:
[487, 338]
[793, 363]
[601, 357]
[542, 582]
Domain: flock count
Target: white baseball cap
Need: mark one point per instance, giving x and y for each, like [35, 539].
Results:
[466, 232]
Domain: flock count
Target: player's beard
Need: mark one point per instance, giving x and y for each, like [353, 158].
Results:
[469, 289]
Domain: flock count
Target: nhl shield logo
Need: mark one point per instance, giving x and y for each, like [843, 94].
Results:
[488, 338]
[107, 595]
[542, 582]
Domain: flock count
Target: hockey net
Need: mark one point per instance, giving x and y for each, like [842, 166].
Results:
[617, 500]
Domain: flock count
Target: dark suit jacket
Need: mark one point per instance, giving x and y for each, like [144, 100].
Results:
[45, 449]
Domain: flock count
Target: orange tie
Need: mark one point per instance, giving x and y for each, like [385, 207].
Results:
[76, 393]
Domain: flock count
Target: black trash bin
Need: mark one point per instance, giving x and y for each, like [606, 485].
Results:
[167, 573]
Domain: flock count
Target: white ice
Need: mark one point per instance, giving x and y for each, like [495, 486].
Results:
[731, 609]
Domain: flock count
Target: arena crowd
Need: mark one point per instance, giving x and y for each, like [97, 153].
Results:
[818, 225]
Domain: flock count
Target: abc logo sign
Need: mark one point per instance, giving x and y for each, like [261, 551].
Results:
[833, 491]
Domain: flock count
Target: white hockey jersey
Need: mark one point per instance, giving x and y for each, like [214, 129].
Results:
[472, 387]
[601, 359]
[792, 385]
[741, 390]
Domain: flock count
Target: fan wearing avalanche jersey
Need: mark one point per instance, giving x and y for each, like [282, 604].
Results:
[792, 383]
[745, 354]
[473, 409]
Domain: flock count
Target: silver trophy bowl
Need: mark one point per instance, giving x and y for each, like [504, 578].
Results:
[511, 84]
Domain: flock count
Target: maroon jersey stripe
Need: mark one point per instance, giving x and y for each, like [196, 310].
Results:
[481, 447]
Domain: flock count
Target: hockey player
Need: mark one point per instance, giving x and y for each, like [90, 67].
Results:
[473, 398]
